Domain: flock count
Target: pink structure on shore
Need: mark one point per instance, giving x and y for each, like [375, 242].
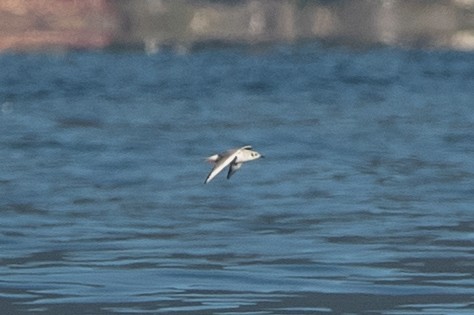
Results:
[55, 24]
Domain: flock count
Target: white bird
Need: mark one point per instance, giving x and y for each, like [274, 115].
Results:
[234, 158]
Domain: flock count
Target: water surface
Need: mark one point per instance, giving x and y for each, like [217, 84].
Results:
[362, 205]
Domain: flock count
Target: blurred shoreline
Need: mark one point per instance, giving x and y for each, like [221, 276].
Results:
[183, 25]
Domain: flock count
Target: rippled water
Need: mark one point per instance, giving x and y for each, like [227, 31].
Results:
[364, 203]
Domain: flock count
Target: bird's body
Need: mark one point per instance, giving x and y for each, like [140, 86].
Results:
[232, 158]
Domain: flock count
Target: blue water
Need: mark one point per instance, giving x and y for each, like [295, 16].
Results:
[363, 204]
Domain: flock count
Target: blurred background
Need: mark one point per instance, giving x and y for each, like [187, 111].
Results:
[182, 24]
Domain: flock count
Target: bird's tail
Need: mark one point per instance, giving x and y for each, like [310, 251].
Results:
[213, 158]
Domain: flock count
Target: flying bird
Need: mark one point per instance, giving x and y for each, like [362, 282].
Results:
[232, 158]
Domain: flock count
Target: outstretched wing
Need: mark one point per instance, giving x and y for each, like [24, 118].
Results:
[233, 168]
[220, 165]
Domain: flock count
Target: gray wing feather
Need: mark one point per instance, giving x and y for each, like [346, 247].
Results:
[220, 165]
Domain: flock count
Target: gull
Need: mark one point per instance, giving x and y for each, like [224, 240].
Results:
[234, 158]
